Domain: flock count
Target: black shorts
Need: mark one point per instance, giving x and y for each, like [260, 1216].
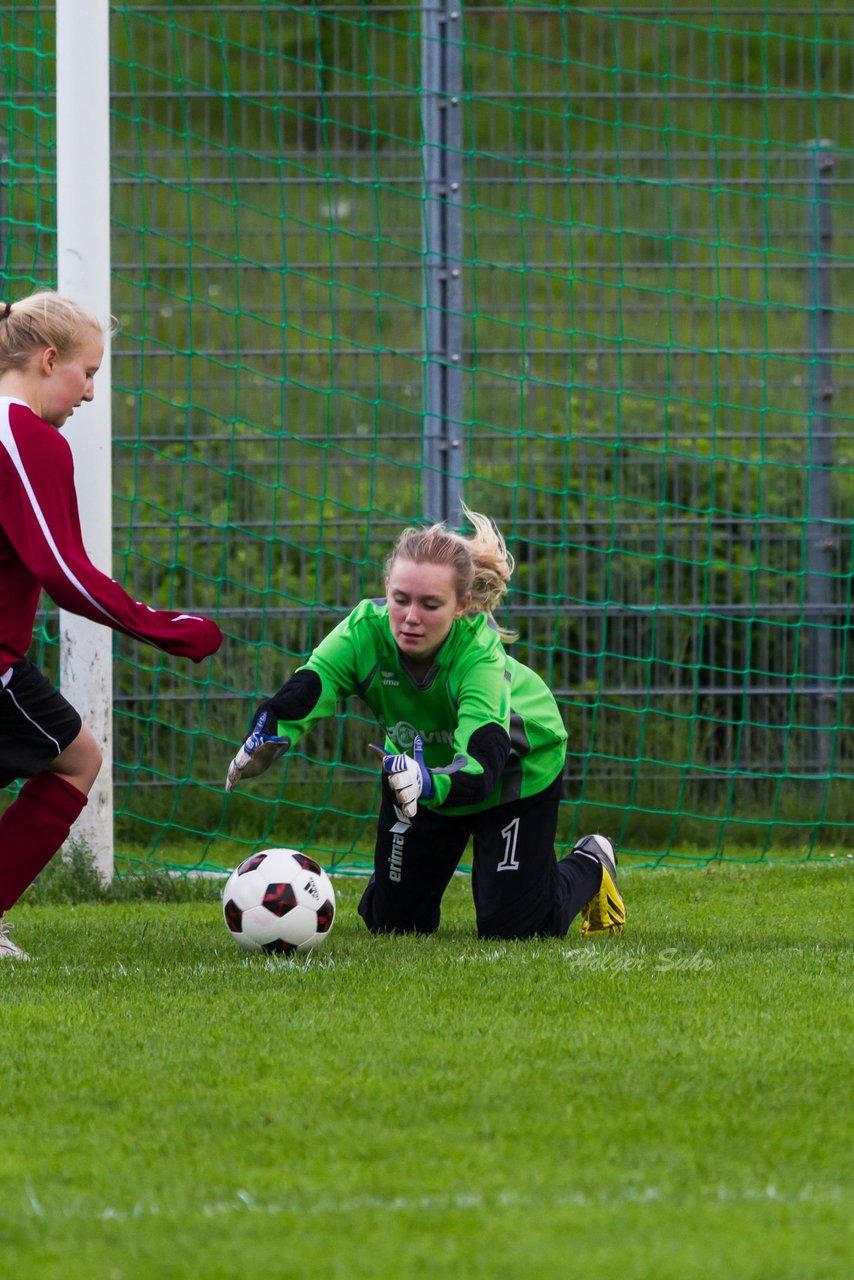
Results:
[36, 724]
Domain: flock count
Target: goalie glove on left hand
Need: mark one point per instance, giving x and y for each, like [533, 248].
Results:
[408, 777]
[258, 752]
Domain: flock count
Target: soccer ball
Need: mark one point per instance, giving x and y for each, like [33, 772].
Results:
[279, 901]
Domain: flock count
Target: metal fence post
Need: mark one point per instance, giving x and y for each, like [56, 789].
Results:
[441, 115]
[820, 539]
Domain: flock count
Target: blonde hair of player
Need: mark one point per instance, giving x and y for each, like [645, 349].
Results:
[40, 320]
[481, 563]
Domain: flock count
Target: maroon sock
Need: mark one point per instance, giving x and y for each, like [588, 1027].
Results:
[32, 829]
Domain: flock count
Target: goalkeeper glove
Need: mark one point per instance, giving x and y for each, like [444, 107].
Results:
[408, 777]
[259, 750]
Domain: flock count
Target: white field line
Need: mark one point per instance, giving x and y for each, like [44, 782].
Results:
[46, 1209]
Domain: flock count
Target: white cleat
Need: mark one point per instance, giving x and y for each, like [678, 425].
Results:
[8, 949]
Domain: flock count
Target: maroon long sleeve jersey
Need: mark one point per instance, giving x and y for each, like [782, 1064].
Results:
[41, 546]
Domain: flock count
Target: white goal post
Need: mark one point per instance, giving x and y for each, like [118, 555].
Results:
[83, 273]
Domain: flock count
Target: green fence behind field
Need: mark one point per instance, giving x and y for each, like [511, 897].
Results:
[648, 229]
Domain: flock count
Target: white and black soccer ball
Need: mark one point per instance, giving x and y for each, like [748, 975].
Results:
[279, 901]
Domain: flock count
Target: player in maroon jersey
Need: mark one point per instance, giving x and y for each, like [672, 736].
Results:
[50, 351]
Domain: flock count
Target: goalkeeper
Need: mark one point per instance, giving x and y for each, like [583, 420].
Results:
[50, 351]
[474, 747]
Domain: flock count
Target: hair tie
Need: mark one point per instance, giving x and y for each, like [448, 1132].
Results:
[7, 311]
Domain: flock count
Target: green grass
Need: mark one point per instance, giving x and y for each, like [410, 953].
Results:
[672, 1104]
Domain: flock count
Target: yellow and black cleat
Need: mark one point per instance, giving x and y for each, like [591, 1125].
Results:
[605, 913]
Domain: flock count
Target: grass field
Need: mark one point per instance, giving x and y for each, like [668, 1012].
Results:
[673, 1104]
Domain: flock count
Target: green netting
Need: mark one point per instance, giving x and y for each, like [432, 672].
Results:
[657, 300]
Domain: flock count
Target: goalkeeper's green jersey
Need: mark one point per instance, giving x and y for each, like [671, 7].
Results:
[491, 728]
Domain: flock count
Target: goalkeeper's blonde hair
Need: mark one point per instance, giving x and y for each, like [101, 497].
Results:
[481, 563]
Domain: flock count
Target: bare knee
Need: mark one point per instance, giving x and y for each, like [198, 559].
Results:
[80, 762]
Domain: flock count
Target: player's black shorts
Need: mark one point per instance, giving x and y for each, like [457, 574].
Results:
[36, 724]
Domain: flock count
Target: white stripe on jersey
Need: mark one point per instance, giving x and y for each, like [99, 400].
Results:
[7, 440]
